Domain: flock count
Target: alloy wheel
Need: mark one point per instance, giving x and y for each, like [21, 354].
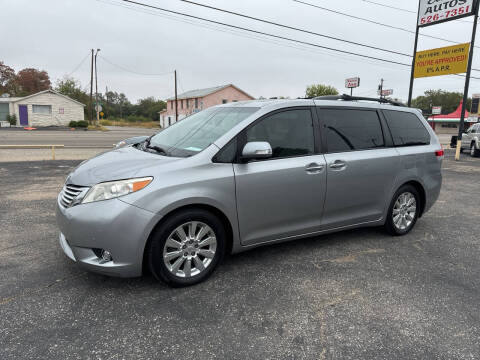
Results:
[189, 249]
[404, 210]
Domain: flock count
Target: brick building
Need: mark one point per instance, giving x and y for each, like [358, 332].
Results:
[197, 100]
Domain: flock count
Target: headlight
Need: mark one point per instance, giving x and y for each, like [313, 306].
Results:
[114, 189]
[121, 144]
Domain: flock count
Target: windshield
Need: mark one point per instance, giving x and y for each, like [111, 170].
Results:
[196, 132]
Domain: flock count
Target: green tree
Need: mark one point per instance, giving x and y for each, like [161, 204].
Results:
[448, 100]
[149, 107]
[7, 75]
[320, 90]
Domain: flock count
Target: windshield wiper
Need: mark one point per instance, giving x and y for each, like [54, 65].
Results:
[155, 147]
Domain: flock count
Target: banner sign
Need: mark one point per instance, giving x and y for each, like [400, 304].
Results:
[442, 61]
[435, 11]
[472, 119]
[352, 83]
[436, 110]
[385, 92]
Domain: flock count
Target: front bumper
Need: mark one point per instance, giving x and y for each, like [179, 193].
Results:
[112, 225]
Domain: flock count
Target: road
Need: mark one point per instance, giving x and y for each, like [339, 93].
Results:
[353, 295]
[77, 138]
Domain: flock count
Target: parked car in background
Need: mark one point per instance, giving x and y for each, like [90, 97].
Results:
[241, 175]
[471, 140]
[131, 141]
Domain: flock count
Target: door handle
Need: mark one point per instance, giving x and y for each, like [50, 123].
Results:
[338, 164]
[314, 168]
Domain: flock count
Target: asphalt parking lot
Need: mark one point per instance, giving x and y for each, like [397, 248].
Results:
[353, 295]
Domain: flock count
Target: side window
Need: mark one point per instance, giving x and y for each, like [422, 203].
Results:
[227, 154]
[349, 130]
[290, 133]
[406, 128]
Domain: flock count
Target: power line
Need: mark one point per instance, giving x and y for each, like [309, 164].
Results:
[299, 29]
[266, 34]
[390, 6]
[132, 71]
[241, 34]
[259, 32]
[374, 22]
[78, 66]
[293, 28]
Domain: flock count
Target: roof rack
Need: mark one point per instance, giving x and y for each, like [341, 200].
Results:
[346, 97]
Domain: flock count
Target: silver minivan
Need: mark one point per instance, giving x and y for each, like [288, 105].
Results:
[240, 175]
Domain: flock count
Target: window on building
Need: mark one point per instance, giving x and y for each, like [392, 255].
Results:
[169, 121]
[406, 128]
[224, 101]
[349, 130]
[171, 105]
[290, 133]
[181, 104]
[187, 104]
[196, 103]
[42, 109]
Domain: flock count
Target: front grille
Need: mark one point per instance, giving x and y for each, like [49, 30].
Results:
[69, 193]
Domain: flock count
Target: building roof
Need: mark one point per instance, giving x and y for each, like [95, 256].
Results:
[204, 92]
[50, 91]
[452, 117]
[8, 99]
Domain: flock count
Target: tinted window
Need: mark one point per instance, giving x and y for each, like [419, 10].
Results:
[290, 133]
[406, 128]
[349, 130]
[227, 154]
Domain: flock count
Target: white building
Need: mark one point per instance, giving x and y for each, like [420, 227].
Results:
[45, 108]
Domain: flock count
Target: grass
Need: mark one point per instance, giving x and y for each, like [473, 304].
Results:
[98, 128]
[123, 123]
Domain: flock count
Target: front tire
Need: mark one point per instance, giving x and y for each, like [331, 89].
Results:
[187, 248]
[403, 211]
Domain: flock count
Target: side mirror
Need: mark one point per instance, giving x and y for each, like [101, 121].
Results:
[255, 150]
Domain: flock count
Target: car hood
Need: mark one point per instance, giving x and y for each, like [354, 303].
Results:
[118, 164]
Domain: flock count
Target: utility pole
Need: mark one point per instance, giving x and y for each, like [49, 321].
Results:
[96, 89]
[176, 99]
[467, 85]
[380, 88]
[91, 91]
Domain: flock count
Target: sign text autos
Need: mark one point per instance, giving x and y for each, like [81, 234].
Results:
[434, 11]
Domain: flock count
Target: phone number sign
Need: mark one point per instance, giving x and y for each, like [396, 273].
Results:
[442, 61]
[435, 11]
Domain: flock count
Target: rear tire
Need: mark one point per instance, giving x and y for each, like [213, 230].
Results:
[474, 152]
[403, 211]
[187, 248]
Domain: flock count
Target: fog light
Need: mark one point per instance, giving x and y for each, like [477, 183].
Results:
[106, 256]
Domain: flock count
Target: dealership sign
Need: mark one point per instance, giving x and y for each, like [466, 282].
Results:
[352, 83]
[435, 11]
[442, 61]
[436, 110]
[386, 92]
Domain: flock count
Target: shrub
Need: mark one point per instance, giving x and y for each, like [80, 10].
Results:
[78, 124]
[12, 119]
[82, 124]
